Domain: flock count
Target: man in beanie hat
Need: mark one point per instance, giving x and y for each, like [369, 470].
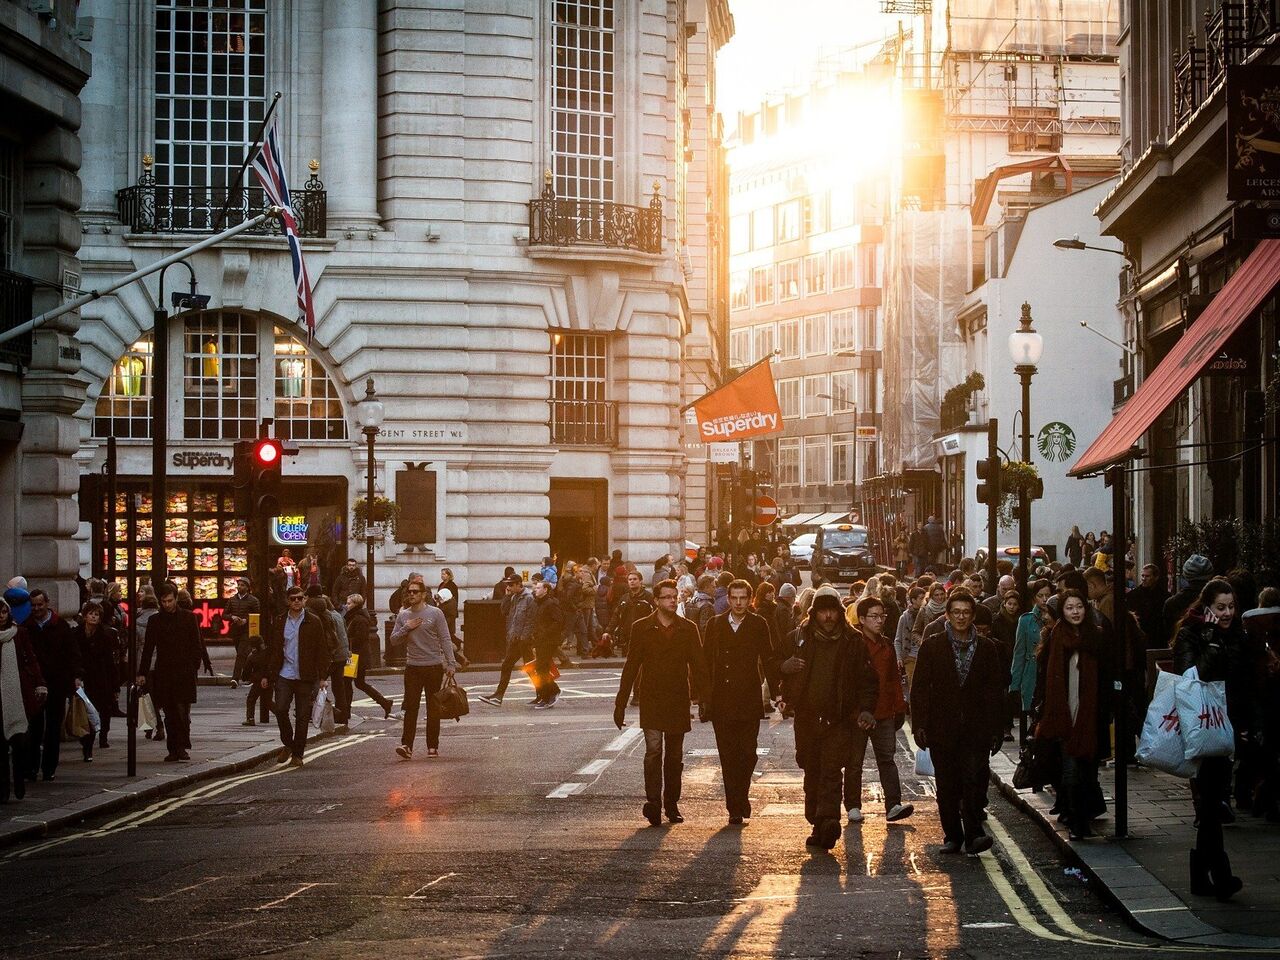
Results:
[1196, 571]
[830, 685]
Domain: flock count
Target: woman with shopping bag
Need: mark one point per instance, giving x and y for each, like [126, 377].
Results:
[1211, 639]
[98, 642]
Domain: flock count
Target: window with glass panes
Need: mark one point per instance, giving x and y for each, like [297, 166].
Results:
[844, 329]
[868, 254]
[764, 336]
[788, 221]
[844, 387]
[123, 409]
[762, 285]
[220, 376]
[841, 457]
[740, 290]
[843, 268]
[740, 347]
[815, 274]
[789, 461]
[582, 109]
[815, 461]
[307, 403]
[762, 228]
[789, 398]
[789, 280]
[815, 214]
[578, 366]
[816, 339]
[868, 329]
[789, 339]
[210, 95]
[815, 404]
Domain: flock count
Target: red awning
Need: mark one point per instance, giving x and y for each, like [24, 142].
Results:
[1248, 287]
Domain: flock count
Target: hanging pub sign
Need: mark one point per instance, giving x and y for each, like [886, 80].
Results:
[1253, 132]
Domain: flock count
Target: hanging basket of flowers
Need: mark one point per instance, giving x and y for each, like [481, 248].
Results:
[1015, 477]
[384, 513]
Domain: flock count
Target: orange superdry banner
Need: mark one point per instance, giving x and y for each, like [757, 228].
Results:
[745, 407]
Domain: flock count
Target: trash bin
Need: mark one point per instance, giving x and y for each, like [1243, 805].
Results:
[483, 634]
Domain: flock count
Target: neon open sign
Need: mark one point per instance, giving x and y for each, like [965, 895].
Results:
[289, 531]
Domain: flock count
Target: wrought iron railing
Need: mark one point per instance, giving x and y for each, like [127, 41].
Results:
[15, 309]
[562, 222]
[584, 423]
[149, 207]
[1232, 31]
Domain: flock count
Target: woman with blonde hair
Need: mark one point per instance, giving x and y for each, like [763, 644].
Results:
[803, 602]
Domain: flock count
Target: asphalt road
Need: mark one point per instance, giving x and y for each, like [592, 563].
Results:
[525, 838]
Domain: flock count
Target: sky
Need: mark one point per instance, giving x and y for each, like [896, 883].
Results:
[777, 44]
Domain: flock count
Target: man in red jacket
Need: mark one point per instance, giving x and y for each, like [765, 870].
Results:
[889, 712]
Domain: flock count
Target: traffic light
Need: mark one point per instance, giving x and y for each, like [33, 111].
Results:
[242, 477]
[265, 462]
[989, 477]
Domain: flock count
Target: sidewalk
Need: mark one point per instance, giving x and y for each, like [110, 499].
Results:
[1147, 874]
[220, 747]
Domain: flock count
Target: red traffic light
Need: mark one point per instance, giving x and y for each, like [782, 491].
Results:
[267, 452]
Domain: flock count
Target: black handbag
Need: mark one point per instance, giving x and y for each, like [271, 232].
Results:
[1035, 766]
[450, 701]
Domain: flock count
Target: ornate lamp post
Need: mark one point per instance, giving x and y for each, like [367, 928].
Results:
[369, 412]
[1026, 347]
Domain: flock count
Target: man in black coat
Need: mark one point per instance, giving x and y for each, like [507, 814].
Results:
[665, 656]
[59, 659]
[348, 581]
[173, 636]
[636, 605]
[548, 633]
[236, 614]
[830, 685]
[299, 655]
[957, 714]
[738, 654]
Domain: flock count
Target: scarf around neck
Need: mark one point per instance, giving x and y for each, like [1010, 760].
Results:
[1079, 736]
[13, 712]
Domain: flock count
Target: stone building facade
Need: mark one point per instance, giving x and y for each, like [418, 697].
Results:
[506, 231]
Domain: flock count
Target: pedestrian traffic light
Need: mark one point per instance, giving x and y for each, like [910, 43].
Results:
[266, 460]
[989, 475]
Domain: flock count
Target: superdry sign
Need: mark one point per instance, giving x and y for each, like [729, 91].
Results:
[745, 407]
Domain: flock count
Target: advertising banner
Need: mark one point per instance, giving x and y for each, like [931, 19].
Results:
[1253, 132]
[745, 407]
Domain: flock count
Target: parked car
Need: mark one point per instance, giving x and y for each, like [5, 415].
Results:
[842, 553]
[802, 549]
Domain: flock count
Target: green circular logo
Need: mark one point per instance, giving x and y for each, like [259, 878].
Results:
[1056, 441]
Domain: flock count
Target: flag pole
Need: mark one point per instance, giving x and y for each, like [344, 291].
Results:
[244, 165]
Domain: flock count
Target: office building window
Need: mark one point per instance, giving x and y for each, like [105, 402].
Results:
[815, 461]
[816, 341]
[788, 221]
[843, 330]
[582, 98]
[764, 336]
[843, 267]
[789, 398]
[210, 94]
[844, 387]
[815, 214]
[740, 290]
[123, 410]
[841, 457]
[762, 229]
[789, 339]
[762, 285]
[789, 461]
[868, 254]
[740, 347]
[220, 376]
[868, 328]
[789, 280]
[815, 404]
[815, 274]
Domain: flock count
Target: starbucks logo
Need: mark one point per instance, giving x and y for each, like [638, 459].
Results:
[1056, 441]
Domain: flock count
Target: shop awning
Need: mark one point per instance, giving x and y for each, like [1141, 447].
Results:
[1248, 287]
[822, 519]
[800, 519]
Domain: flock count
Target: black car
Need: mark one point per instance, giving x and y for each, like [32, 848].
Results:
[842, 553]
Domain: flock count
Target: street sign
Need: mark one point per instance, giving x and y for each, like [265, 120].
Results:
[724, 452]
[868, 433]
[766, 511]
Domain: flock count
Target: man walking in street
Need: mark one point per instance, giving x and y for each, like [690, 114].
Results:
[59, 658]
[831, 686]
[239, 607]
[298, 656]
[636, 605]
[548, 632]
[739, 656]
[348, 581]
[665, 655]
[428, 659]
[173, 638]
[889, 712]
[517, 616]
[957, 714]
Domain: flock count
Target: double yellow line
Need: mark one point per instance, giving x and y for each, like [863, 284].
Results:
[162, 808]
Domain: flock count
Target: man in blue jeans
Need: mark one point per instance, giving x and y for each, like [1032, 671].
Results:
[298, 656]
[428, 659]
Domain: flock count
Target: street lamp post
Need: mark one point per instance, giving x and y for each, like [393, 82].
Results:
[1025, 346]
[369, 412]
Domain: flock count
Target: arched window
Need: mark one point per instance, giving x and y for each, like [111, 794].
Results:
[124, 406]
[307, 402]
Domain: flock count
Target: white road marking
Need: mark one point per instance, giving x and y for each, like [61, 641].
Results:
[566, 790]
[594, 767]
[417, 894]
[194, 886]
[302, 889]
[623, 740]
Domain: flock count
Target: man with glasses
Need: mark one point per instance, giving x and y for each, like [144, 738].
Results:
[298, 656]
[888, 716]
[428, 659]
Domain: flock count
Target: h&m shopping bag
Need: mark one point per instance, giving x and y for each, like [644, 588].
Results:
[1160, 746]
[924, 763]
[1202, 713]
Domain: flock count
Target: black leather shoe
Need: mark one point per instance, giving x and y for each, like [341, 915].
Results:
[828, 832]
[735, 821]
[952, 846]
[652, 814]
[673, 815]
[978, 845]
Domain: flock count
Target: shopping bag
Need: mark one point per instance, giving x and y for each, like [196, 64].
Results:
[924, 763]
[95, 721]
[450, 701]
[1160, 746]
[322, 711]
[147, 719]
[1202, 712]
[75, 721]
[1036, 765]
[352, 668]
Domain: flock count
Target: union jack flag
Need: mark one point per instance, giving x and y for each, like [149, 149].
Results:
[269, 167]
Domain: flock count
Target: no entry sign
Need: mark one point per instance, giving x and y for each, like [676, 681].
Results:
[766, 511]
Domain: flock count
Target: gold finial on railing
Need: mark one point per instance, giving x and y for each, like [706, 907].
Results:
[147, 161]
[314, 166]
[546, 176]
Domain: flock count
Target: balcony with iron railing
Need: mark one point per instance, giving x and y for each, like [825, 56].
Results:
[600, 225]
[584, 423]
[1232, 33]
[149, 207]
[15, 309]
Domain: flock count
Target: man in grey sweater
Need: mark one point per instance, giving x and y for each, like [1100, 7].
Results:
[428, 659]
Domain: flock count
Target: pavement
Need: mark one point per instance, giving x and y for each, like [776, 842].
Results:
[1147, 874]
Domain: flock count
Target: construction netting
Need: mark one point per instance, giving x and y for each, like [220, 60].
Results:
[927, 277]
[1038, 27]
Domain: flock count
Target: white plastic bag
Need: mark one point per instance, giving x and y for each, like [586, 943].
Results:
[95, 721]
[1202, 712]
[147, 719]
[924, 763]
[322, 711]
[1160, 746]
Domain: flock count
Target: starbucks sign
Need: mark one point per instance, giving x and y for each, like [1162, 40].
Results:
[1056, 441]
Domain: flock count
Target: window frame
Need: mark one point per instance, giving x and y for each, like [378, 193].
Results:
[844, 268]
[788, 275]
[759, 274]
[789, 466]
[818, 443]
[583, 100]
[790, 329]
[810, 288]
[821, 407]
[790, 395]
[822, 322]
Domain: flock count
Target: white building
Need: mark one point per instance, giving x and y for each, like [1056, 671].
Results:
[525, 334]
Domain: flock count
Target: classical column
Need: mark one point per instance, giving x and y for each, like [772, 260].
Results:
[349, 128]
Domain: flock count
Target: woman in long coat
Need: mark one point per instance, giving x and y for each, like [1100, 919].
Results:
[98, 643]
[22, 696]
[173, 637]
